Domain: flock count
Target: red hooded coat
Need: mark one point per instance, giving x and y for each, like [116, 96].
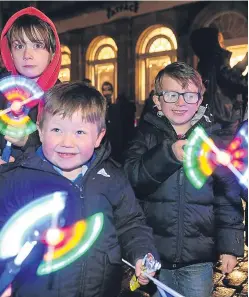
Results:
[45, 81]
[50, 75]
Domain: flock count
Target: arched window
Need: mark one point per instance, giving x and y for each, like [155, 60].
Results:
[234, 28]
[156, 48]
[64, 74]
[101, 62]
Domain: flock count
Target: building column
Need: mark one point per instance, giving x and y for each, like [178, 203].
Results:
[124, 59]
[76, 58]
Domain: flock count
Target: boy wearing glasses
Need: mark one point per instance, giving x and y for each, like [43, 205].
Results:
[191, 227]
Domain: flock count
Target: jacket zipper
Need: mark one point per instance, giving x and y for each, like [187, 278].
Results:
[180, 216]
[83, 266]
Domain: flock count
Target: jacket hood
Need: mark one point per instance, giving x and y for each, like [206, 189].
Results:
[50, 75]
[204, 42]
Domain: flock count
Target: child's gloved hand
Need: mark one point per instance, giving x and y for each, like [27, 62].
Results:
[143, 280]
[147, 264]
[7, 292]
[12, 159]
[228, 263]
[17, 141]
[178, 150]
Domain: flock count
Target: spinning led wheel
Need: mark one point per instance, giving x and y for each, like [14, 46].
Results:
[238, 150]
[202, 156]
[70, 244]
[22, 225]
[39, 222]
[21, 94]
[198, 163]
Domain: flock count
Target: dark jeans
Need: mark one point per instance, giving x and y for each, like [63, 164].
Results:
[190, 281]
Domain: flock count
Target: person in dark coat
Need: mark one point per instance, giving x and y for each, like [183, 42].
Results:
[191, 227]
[223, 83]
[30, 47]
[114, 132]
[149, 106]
[127, 113]
[71, 126]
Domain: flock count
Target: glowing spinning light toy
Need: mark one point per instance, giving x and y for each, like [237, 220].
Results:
[238, 150]
[21, 94]
[202, 156]
[39, 222]
[70, 243]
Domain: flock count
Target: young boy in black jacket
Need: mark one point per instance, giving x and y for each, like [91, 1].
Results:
[191, 227]
[71, 126]
[30, 47]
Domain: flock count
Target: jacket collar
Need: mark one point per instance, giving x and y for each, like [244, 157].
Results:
[201, 118]
[30, 159]
[84, 167]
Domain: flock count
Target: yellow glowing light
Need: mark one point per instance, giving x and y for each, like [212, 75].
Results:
[12, 122]
[204, 165]
[239, 154]
[238, 54]
[14, 95]
[234, 145]
[78, 231]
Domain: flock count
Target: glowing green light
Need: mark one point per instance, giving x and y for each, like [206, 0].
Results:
[95, 225]
[18, 132]
[191, 161]
[14, 233]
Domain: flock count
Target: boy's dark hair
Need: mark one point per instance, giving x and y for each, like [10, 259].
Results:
[181, 72]
[107, 83]
[69, 97]
[29, 24]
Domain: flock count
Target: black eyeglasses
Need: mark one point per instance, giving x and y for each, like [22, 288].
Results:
[172, 97]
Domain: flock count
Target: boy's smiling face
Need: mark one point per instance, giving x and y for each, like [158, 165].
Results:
[70, 142]
[30, 58]
[179, 113]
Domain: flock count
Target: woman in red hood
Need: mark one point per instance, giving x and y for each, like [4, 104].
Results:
[30, 47]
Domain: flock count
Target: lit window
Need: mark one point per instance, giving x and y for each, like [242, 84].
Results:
[102, 62]
[238, 53]
[106, 53]
[159, 45]
[64, 74]
[156, 48]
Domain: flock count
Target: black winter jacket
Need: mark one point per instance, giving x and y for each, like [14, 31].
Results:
[189, 225]
[99, 272]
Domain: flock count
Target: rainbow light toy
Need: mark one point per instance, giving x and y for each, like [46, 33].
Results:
[29, 219]
[22, 94]
[69, 244]
[238, 150]
[39, 221]
[202, 156]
